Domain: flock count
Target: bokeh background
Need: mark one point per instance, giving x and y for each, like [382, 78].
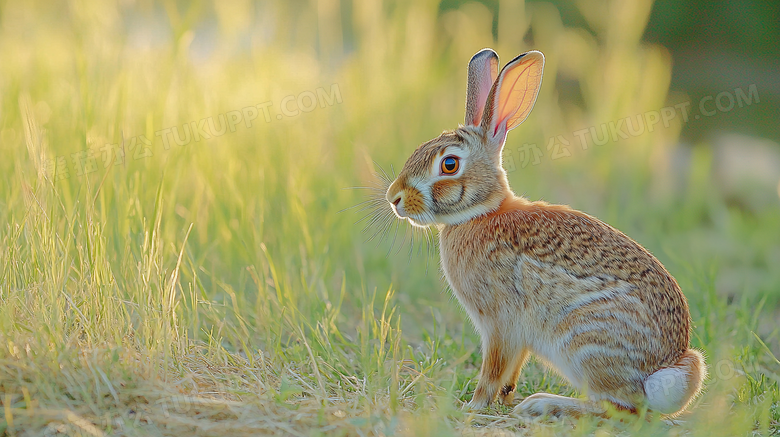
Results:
[175, 175]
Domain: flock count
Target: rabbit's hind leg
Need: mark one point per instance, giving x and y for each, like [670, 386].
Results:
[614, 389]
[546, 404]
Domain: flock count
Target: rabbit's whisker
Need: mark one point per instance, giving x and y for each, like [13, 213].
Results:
[379, 219]
[384, 175]
[386, 227]
[384, 219]
[365, 203]
[395, 236]
[403, 240]
[362, 188]
[373, 208]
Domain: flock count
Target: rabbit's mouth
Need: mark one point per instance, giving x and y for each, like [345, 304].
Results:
[421, 219]
[416, 222]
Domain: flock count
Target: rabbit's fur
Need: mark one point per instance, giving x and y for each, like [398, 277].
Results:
[545, 279]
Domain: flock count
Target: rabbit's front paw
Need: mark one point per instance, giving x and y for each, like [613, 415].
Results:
[477, 404]
[482, 398]
[507, 394]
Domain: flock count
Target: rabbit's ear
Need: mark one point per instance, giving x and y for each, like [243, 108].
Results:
[483, 69]
[513, 95]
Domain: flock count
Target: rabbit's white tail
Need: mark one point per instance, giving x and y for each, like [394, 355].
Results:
[671, 389]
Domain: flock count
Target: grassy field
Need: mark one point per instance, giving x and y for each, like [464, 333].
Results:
[174, 260]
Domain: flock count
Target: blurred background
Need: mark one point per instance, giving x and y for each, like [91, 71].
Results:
[174, 171]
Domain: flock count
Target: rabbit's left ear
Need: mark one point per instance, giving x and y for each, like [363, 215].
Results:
[513, 95]
[483, 69]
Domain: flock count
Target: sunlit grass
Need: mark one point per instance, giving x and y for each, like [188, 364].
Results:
[214, 287]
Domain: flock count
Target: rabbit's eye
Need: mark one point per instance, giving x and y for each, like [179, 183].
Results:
[450, 165]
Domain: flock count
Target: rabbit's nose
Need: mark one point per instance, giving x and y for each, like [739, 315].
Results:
[394, 198]
[398, 207]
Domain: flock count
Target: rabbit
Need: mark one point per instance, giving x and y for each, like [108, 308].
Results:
[537, 278]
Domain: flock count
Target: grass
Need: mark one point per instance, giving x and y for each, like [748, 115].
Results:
[213, 288]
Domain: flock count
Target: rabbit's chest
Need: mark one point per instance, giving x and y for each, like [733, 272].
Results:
[483, 274]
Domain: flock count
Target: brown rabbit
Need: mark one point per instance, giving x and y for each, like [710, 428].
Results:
[545, 279]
